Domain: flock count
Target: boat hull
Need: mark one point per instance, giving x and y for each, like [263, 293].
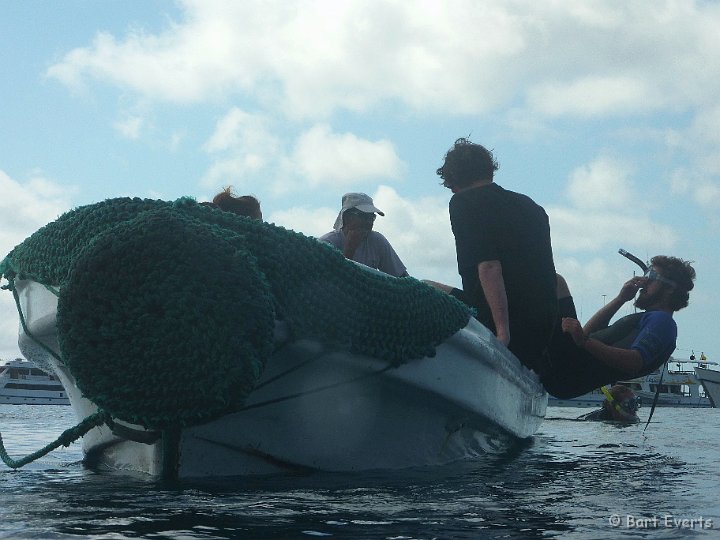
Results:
[316, 408]
[710, 380]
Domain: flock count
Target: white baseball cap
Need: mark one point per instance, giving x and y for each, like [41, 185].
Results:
[361, 201]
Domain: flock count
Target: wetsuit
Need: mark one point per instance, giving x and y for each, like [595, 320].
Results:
[571, 371]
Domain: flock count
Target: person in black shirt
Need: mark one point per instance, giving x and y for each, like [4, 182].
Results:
[504, 254]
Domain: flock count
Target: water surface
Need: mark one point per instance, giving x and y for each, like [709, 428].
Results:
[570, 481]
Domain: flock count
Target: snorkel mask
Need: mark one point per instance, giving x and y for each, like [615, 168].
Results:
[648, 272]
[626, 407]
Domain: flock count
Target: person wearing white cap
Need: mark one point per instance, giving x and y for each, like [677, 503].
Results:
[353, 235]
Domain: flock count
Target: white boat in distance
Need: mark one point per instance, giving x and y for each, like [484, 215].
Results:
[710, 379]
[22, 383]
[680, 387]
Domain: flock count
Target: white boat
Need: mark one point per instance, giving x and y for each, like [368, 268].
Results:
[680, 387]
[22, 383]
[319, 409]
[710, 380]
[315, 405]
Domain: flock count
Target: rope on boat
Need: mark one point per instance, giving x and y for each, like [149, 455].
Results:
[66, 438]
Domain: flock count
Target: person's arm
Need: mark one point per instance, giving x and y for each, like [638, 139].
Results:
[493, 285]
[602, 317]
[629, 361]
[390, 262]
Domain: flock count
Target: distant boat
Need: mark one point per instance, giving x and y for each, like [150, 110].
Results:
[21, 383]
[710, 379]
[679, 388]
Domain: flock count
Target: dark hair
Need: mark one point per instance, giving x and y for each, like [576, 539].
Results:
[681, 273]
[465, 163]
[246, 205]
[625, 398]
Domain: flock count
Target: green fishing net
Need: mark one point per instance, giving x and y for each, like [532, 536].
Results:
[166, 310]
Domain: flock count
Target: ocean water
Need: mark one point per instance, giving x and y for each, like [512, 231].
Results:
[572, 480]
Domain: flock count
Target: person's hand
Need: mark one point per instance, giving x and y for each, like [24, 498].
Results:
[630, 288]
[572, 326]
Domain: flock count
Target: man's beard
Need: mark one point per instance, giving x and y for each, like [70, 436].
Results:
[645, 299]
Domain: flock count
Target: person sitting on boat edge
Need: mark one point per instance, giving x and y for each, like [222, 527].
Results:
[581, 359]
[504, 253]
[245, 205]
[353, 235]
[620, 405]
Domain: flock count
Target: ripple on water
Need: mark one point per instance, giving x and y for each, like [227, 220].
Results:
[567, 483]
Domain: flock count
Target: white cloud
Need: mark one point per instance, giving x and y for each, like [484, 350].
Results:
[606, 212]
[680, 181]
[604, 183]
[419, 230]
[245, 146]
[309, 221]
[459, 56]
[576, 230]
[707, 194]
[339, 159]
[175, 140]
[9, 327]
[240, 130]
[24, 208]
[700, 177]
[130, 127]
[701, 141]
[249, 153]
[595, 96]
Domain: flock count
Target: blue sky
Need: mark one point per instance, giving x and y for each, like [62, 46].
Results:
[606, 113]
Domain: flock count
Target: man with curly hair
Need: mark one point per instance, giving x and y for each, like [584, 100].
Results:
[582, 358]
[504, 255]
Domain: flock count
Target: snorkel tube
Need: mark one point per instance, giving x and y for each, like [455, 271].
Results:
[634, 259]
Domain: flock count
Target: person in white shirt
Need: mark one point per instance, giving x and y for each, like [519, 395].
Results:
[353, 235]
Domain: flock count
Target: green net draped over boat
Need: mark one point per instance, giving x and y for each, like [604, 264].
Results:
[166, 310]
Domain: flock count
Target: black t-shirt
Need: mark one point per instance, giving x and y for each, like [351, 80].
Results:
[492, 223]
